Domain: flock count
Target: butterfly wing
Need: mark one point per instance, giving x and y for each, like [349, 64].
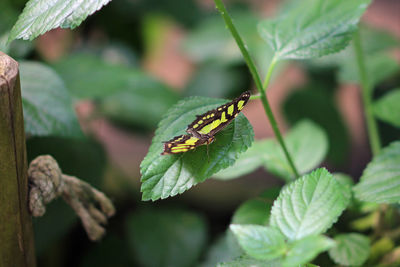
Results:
[215, 120]
[182, 143]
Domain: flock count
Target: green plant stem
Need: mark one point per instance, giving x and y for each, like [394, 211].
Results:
[269, 72]
[250, 64]
[254, 97]
[366, 92]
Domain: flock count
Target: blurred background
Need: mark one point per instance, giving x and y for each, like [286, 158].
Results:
[127, 64]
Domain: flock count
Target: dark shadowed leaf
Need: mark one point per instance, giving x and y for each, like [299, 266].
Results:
[225, 248]
[121, 92]
[253, 211]
[319, 106]
[246, 261]
[379, 66]
[166, 237]
[46, 102]
[387, 108]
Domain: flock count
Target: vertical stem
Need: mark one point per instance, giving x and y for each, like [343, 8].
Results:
[269, 72]
[366, 92]
[16, 234]
[253, 70]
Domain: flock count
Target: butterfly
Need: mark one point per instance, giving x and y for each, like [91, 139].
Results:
[202, 130]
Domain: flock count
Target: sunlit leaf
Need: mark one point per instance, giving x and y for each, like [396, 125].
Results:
[260, 242]
[169, 175]
[351, 249]
[380, 181]
[40, 16]
[313, 28]
[304, 250]
[309, 205]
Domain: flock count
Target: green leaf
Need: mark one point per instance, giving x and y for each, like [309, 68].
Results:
[249, 262]
[46, 102]
[314, 103]
[387, 108]
[111, 251]
[380, 181]
[40, 16]
[379, 66]
[260, 242]
[122, 93]
[165, 237]
[347, 182]
[304, 250]
[322, 28]
[309, 205]
[211, 41]
[214, 79]
[375, 42]
[169, 175]
[306, 142]
[249, 161]
[225, 248]
[351, 249]
[253, 211]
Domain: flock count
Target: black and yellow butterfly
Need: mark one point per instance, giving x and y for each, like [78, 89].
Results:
[202, 130]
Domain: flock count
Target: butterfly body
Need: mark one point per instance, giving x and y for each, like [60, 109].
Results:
[202, 130]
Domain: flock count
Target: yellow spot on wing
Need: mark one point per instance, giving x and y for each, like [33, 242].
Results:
[223, 119]
[209, 127]
[191, 141]
[179, 150]
[230, 109]
[195, 126]
[212, 115]
[200, 121]
[240, 105]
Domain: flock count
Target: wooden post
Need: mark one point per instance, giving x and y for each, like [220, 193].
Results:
[16, 234]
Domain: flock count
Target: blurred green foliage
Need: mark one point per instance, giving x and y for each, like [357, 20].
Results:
[103, 64]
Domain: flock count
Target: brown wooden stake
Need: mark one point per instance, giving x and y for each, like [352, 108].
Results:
[16, 234]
